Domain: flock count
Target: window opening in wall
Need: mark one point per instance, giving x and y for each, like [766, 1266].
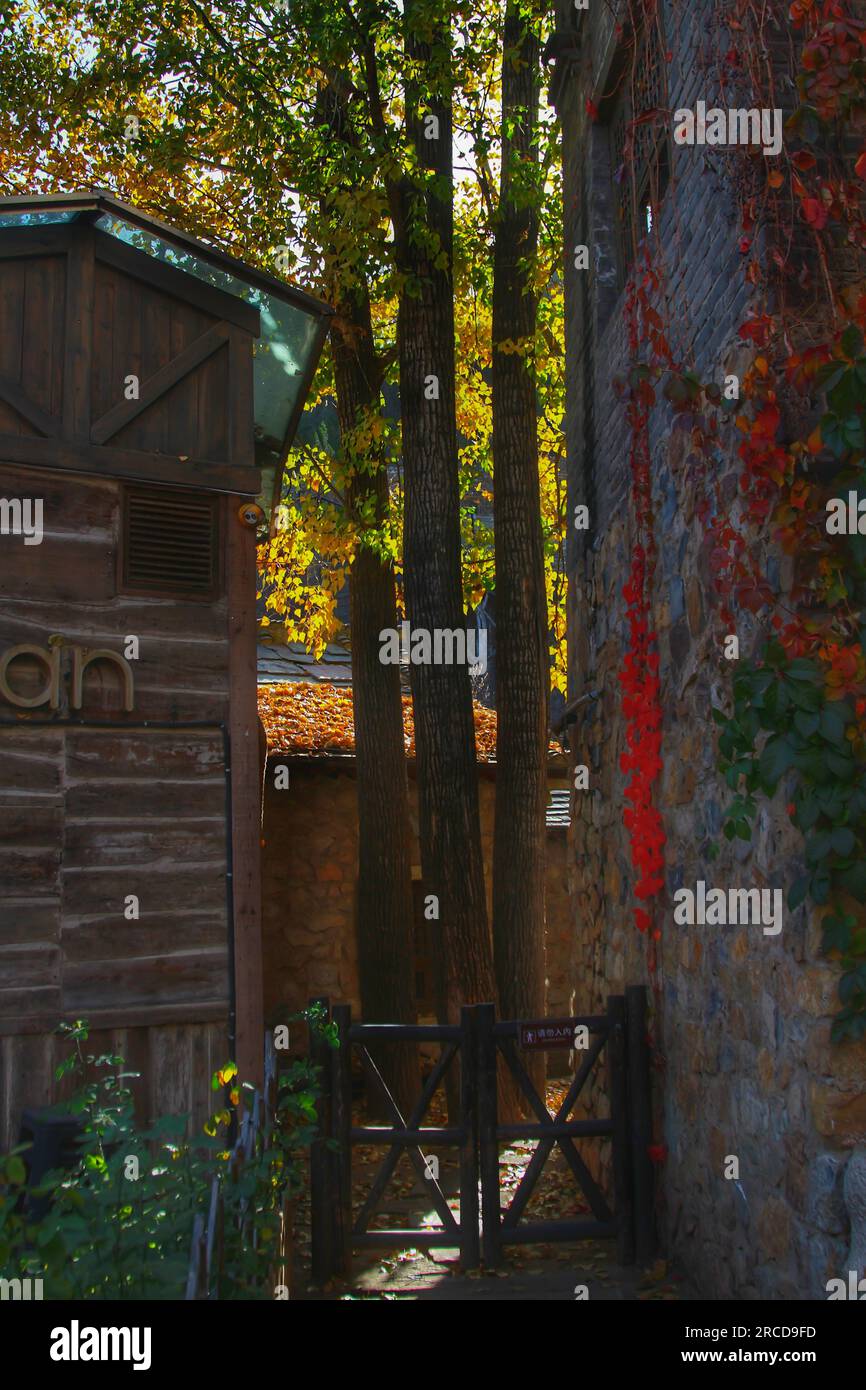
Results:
[639, 146]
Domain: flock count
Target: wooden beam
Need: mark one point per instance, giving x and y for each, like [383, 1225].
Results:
[198, 351]
[47, 239]
[177, 282]
[246, 795]
[103, 460]
[13, 395]
[140, 1016]
[79, 335]
[240, 402]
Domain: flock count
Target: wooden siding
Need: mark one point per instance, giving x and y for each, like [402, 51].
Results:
[175, 1063]
[88, 818]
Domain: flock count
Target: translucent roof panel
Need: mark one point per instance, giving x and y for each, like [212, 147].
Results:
[35, 219]
[289, 334]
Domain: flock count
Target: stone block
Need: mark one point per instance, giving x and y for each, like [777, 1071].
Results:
[825, 1206]
[774, 1228]
[839, 1115]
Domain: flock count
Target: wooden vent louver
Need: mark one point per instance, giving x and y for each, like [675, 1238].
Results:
[170, 544]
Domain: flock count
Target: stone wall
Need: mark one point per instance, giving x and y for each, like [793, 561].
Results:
[741, 1021]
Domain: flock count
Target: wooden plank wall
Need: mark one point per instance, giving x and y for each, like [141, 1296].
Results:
[89, 816]
[175, 1063]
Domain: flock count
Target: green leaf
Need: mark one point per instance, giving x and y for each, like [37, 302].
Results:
[798, 892]
[15, 1172]
[806, 723]
[832, 725]
[777, 757]
[852, 342]
[853, 880]
[843, 840]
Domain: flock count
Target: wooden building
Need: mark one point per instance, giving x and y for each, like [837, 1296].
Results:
[146, 384]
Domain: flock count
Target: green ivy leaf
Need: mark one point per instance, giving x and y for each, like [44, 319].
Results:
[843, 840]
[777, 757]
[798, 892]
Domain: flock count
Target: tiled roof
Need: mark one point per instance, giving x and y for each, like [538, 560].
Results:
[292, 662]
[316, 719]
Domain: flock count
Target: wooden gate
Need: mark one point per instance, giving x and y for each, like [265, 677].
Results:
[336, 1228]
[474, 1047]
[619, 1035]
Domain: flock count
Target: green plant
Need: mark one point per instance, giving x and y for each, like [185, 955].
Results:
[785, 728]
[119, 1224]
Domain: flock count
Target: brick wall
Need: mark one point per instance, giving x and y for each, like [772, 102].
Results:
[741, 1021]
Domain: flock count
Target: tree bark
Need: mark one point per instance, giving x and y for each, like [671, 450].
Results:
[521, 607]
[384, 900]
[449, 822]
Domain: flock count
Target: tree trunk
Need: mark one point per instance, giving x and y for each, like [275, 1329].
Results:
[521, 606]
[444, 728]
[384, 901]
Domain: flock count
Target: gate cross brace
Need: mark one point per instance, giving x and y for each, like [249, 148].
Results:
[389, 1163]
[416, 1157]
[586, 1184]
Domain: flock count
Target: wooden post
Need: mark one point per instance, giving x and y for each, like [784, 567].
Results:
[640, 1122]
[469, 1243]
[321, 1216]
[341, 1131]
[246, 796]
[616, 1063]
[488, 1149]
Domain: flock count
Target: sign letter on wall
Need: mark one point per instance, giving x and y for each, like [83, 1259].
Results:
[50, 658]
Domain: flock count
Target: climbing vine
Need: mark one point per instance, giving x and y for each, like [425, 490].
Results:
[639, 678]
[798, 711]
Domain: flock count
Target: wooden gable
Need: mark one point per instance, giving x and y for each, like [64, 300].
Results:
[83, 314]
